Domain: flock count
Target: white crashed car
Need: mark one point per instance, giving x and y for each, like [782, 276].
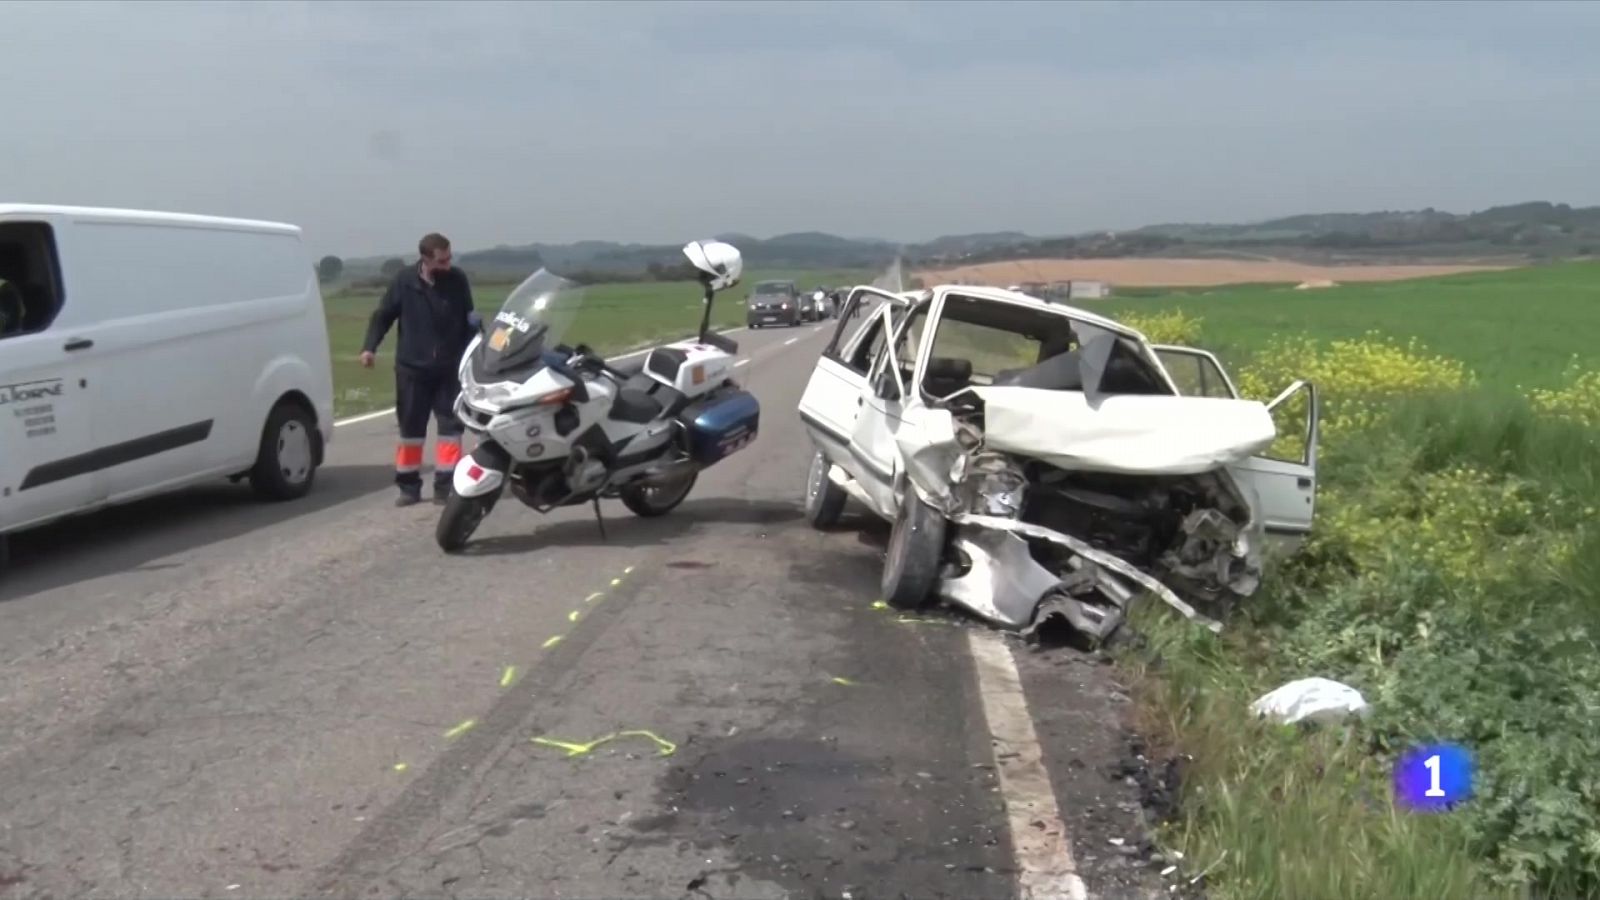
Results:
[1039, 461]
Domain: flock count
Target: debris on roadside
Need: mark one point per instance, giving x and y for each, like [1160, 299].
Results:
[1319, 700]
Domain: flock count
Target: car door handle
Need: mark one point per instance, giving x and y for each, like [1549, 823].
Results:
[78, 344]
[1305, 483]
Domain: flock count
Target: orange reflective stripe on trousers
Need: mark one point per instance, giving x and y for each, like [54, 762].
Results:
[446, 453]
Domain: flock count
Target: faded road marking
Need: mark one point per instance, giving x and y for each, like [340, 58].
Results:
[572, 616]
[1045, 867]
[593, 597]
[790, 341]
[461, 729]
[507, 675]
[742, 362]
[552, 642]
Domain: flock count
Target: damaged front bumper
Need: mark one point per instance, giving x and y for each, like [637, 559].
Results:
[999, 579]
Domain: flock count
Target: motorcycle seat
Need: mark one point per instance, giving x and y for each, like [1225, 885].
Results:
[634, 406]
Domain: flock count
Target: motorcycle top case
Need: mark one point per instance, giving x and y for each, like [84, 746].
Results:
[721, 424]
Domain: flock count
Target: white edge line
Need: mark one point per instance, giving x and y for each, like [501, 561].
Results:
[1045, 867]
[367, 417]
[790, 341]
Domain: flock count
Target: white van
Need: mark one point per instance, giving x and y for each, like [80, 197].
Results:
[141, 352]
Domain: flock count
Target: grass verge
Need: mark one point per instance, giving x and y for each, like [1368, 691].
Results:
[1453, 578]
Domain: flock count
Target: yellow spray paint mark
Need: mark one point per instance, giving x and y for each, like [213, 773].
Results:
[507, 675]
[572, 616]
[401, 767]
[552, 642]
[879, 604]
[593, 597]
[461, 729]
[616, 581]
[844, 681]
[574, 749]
[628, 571]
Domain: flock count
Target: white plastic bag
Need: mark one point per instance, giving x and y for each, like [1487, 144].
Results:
[1317, 699]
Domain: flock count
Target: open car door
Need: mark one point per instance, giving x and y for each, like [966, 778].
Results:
[838, 385]
[1284, 477]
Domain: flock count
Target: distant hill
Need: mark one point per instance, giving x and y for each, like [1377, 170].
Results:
[1528, 231]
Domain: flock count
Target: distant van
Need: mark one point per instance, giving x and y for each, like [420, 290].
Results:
[141, 352]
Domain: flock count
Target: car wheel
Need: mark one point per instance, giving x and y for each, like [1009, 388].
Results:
[911, 564]
[653, 500]
[824, 499]
[286, 462]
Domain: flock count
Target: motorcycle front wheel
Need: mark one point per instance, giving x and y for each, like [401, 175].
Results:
[460, 518]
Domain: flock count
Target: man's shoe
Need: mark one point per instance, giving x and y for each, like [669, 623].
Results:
[409, 496]
[441, 493]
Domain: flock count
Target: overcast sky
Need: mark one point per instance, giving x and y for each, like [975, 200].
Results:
[371, 123]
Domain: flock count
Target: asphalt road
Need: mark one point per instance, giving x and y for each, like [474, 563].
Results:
[207, 696]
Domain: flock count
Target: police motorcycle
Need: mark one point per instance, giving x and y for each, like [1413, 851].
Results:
[562, 426]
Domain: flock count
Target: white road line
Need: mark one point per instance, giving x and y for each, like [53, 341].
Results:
[742, 362]
[364, 417]
[790, 341]
[1045, 868]
[368, 417]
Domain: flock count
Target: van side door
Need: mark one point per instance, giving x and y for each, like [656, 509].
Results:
[49, 462]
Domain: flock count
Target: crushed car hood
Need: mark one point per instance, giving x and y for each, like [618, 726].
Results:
[1134, 434]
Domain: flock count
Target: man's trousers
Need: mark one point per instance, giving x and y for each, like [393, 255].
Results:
[419, 394]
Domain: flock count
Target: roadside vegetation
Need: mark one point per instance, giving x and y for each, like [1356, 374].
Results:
[614, 318]
[1453, 577]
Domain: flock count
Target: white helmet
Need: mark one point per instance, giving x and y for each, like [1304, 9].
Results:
[720, 264]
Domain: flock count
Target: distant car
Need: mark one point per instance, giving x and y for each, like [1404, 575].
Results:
[810, 307]
[773, 303]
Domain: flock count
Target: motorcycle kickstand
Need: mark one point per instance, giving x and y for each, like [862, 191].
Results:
[599, 519]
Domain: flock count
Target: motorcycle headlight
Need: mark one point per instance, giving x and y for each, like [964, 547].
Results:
[490, 395]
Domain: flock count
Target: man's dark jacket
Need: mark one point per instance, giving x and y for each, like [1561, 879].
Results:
[434, 330]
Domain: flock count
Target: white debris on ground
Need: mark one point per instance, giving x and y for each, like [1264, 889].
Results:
[1315, 699]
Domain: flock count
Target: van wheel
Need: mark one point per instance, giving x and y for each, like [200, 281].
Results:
[911, 565]
[286, 463]
[824, 499]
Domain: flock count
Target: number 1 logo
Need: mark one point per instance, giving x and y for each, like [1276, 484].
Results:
[1434, 777]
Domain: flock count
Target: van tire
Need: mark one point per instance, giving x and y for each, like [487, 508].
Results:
[286, 463]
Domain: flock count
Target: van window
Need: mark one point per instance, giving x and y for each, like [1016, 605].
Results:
[30, 278]
[141, 269]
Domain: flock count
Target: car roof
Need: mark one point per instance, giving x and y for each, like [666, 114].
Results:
[146, 216]
[984, 292]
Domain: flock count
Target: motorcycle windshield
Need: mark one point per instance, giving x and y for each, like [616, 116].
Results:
[533, 320]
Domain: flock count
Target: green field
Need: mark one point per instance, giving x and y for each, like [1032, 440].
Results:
[1453, 577]
[1520, 326]
[613, 318]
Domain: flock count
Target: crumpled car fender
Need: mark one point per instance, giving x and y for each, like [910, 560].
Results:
[926, 444]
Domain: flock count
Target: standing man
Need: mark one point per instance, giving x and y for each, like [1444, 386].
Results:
[433, 304]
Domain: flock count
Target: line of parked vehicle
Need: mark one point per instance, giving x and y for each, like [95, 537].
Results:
[783, 303]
